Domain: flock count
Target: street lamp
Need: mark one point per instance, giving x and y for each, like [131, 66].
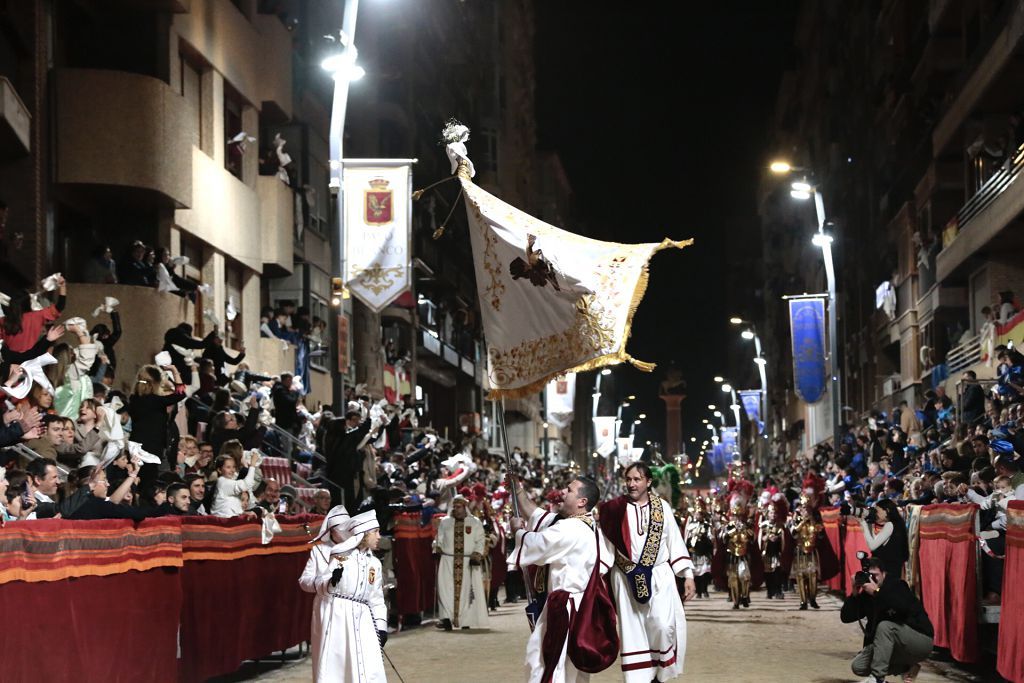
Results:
[719, 379]
[824, 242]
[711, 406]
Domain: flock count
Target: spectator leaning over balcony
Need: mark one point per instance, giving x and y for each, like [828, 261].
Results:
[101, 268]
[213, 349]
[153, 400]
[227, 501]
[1007, 307]
[21, 327]
[70, 374]
[179, 342]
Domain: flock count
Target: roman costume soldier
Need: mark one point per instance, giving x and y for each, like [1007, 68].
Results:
[775, 544]
[701, 544]
[737, 559]
[814, 560]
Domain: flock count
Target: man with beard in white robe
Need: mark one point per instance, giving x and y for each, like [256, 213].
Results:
[642, 535]
[460, 577]
[349, 626]
[568, 551]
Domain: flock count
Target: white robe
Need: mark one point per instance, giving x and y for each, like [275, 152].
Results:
[652, 635]
[346, 617]
[454, 568]
[569, 551]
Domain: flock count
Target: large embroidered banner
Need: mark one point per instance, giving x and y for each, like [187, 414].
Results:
[57, 549]
[377, 219]
[552, 301]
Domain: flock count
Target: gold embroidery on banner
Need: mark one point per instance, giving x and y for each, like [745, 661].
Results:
[377, 278]
[495, 288]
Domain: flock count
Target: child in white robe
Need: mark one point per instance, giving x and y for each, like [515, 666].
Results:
[349, 626]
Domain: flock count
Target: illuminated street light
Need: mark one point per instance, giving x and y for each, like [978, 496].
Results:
[636, 422]
[642, 416]
[747, 334]
[800, 195]
[727, 388]
[718, 413]
[719, 379]
[712, 406]
[761, 361]
[801, 186]
[631, 398]
[705, 421]
[606, 372]
[693, 439]
[821, 240]
[780, 167]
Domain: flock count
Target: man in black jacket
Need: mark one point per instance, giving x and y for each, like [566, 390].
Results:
[341, 448]
[898, 635]
[972, 404]
[286, 403]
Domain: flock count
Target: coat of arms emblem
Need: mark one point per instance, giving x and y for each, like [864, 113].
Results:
[377, 207]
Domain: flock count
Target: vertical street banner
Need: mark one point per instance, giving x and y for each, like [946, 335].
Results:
[376, 249]
[604, 435]
[751, 400]
[730, 447]
[807, 325]
[558, 400]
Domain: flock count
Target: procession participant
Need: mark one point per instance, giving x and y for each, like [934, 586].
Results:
[814, 560]
[569, 551]
[460, 582]
[349, 627]
[701, 544]
[776, 545]
[737, 559]
[642, 535]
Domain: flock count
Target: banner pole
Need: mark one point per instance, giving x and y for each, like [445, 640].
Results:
[512, 488]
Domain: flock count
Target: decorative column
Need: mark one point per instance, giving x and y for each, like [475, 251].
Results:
[673, 423]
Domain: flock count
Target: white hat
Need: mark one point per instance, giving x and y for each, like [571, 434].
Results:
[336, 517]
[353, 530]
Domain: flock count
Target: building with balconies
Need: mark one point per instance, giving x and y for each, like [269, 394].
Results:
[909, 116]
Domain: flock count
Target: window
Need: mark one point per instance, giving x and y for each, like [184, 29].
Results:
[319, 351]
[234, 280]
[192, 91]
[234, 138]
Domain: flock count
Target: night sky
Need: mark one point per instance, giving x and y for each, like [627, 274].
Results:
[660, 117]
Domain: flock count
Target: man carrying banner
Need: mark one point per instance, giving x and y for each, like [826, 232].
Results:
[569, 550]
[460, 579]
[649, 551]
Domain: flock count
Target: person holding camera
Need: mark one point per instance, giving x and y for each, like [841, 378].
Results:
[898, 634]
[889, 543]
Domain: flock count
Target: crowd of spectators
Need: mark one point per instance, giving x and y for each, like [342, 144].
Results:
[945, 451]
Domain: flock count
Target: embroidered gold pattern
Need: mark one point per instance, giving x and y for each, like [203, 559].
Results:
[457, 565]
[377, 278]
[649, 553]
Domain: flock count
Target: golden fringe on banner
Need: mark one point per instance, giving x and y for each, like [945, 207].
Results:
[606, 360]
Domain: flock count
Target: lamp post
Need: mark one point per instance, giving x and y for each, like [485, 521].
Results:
[343, 67]
[728, 389]
[803, 190]
[750, 333]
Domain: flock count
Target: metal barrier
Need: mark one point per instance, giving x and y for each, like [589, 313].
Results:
[23, 450]
[964, 355]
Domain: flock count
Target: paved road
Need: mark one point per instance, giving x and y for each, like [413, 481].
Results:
[772, 641]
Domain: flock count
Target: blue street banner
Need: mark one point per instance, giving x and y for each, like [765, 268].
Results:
[807, 324]
[751, 400]
[718, 458]
[729, 442]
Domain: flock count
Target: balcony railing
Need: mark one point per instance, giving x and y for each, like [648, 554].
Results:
[964, 355]
[991, 189]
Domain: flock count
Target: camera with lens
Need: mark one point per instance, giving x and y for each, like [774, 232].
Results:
[864, 512]
[863, 576]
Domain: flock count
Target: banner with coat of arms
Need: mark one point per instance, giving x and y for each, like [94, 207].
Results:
[376, 251]
[551, 301]
[558, 400]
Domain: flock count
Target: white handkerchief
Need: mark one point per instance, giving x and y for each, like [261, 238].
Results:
[33, 367]
[35, 302]
[110, 454]
[162, 359]
[50, 282]
[205, 288]
[211, 316]
[136, 451]
[178, 261]
[4, 300]
[270, 527]
[106, 307]
[230, 312]
[164, 283]
[110, 425]
[70, 322]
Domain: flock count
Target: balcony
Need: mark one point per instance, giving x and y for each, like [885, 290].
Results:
[277, 225]
[994, 207]
[444, 358]
[125, 130]
[15, 123]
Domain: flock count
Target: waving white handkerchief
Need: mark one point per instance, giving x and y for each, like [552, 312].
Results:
[106, 307]
[35, 303]
[110, 453]
[179, 261]
[73, 322]
[33, 367]
[136, 451]
[110, 426]
[4, 300]
[164, 283]
[51, 282]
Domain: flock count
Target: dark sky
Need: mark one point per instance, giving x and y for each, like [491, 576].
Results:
[660, 116]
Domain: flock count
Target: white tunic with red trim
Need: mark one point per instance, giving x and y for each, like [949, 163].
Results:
[569, 552]
[653, 634]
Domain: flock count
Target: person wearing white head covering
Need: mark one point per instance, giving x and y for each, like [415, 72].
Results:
[349, 625]
[460, 578]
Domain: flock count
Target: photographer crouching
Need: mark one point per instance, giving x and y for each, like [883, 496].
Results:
[898, 635]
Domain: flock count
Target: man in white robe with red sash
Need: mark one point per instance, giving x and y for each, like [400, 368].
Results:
[568, 551]
[649, 552]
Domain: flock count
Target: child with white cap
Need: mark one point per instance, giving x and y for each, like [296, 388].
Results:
[349, 626]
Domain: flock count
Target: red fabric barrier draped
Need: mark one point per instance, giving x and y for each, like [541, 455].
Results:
[948, 560]
[414, 564]
[1010, 651]
[832, 521]
[853, 541]
[120, 628]
[239, 610]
